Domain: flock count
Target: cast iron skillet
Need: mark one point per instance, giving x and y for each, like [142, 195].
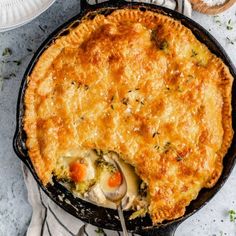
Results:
[99, 216]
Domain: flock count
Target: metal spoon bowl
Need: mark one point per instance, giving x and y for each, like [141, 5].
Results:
[117, 196]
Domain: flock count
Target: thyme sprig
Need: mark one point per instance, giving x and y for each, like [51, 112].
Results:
[7, 52]
[232, 215]
[230, 41]
[100, 231]
[229, 25]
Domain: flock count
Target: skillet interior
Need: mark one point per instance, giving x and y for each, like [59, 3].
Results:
[103, 217]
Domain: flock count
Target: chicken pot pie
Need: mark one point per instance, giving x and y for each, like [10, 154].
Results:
[140, 86]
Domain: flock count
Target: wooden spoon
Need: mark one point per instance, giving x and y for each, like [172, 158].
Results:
[200, 6]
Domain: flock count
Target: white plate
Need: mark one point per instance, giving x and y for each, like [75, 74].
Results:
[14, 13]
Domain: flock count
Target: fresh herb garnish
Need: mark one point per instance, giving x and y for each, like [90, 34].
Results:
[139, 213]
[12, 75]
[229, 25]
[17, 62]
[125, 101]
[166, 147]
[155, 133]
[112, 107]
[102, 163]
[100, 231]
[6, 52]
[154, 35]
[194, 53]
[179, 89]
[179, 158]
[163, 45]
[229, 41]
[217, 20]
[137, 100]
[112, 98]
[232, 215]
[40, 27]
[8, 76]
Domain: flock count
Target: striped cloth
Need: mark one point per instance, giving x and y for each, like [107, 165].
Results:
[48, 219]
[182, 6]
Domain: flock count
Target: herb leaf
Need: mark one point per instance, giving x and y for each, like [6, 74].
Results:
[229, 27]
[100, 231]
[232, 215]
[40, 27]
[166, 147]
[155, 133]
[125, 101]
[163, 45]
[229, 41]
[6, 52]
[194, 53]
[17, 62]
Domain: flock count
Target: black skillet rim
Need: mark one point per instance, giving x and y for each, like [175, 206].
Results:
[19, 136]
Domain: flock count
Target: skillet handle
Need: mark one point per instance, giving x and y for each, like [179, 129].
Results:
[162, 231]
[18, 147]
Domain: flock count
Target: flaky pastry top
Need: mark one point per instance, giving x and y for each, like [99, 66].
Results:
[139, 84]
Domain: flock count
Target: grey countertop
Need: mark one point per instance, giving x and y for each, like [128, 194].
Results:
[15, 212]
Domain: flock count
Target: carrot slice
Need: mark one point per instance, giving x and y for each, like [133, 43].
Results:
[77, 171]
[115, 180]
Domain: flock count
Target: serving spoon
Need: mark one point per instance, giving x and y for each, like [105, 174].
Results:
[117, 196]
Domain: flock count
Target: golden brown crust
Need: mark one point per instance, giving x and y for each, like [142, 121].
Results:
[140, 84]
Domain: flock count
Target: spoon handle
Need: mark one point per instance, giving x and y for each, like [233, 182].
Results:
[122, 220]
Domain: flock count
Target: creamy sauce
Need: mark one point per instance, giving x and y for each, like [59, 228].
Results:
[95, 194]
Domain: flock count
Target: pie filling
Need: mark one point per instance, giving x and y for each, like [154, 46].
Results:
[88, 176]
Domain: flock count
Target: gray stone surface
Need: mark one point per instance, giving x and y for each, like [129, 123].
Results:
[15, 212]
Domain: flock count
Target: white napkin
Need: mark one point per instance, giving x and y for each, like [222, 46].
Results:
[48, 219]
